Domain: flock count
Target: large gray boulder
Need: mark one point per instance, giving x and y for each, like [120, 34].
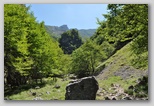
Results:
[82, 89]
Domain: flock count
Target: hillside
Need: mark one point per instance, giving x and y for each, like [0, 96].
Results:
[119, 70]
[120, 64]
[56, 31]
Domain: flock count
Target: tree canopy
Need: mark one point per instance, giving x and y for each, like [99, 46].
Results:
[28, 50]
[70, 40]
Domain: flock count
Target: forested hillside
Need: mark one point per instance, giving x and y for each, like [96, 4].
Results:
[38, 67]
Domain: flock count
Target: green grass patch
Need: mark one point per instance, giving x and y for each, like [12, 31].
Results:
[47, 92]
[106, 84]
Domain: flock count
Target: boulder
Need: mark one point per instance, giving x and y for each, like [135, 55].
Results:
[83, 89]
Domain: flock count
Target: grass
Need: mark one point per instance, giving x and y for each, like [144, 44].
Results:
[116, 80]
[48, 92]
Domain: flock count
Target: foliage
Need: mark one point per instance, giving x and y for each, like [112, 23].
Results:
[122, 24]
[70, 41]
[107, 48]
[86, 58]
[28, 50]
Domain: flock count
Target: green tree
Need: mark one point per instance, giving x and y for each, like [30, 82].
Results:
[16, 54]
[130, 22]
[29, 52]
[70, 41]
[124, 23]
[86, 58]
[132, 25]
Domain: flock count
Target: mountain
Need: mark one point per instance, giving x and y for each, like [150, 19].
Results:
[56, 31]
[87, 32]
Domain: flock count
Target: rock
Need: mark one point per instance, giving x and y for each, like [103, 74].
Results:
[48, 92]
[127, 98]
[146, 98]
[57, 86]
[73, 77]
[83, 89]
[37, 98]
[137, 99]
[37, 87]
[117, 85]
[64, 28]
[112, 88]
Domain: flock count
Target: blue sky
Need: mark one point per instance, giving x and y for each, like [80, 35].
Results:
[80, 16]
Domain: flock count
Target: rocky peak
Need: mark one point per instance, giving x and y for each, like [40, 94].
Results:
[64, 27]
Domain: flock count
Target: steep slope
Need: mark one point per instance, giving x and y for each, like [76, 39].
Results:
[119, 79]
[120, 64]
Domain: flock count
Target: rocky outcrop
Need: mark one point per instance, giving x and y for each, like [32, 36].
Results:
[82, 89]
[64, 28]
[134, 92]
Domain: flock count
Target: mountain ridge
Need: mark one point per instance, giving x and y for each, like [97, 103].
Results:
[56, 31]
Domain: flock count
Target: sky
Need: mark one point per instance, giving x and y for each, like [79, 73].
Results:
[80, 16]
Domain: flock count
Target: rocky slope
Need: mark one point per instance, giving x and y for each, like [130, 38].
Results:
[120, 80]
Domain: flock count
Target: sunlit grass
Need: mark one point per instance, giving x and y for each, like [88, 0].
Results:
[48, 92]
